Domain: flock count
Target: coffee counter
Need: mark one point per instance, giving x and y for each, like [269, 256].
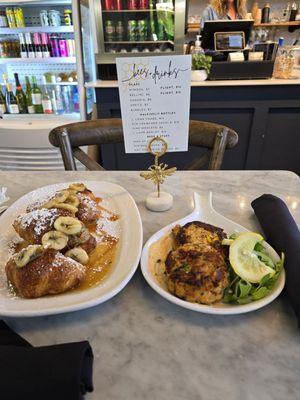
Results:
[265, 114]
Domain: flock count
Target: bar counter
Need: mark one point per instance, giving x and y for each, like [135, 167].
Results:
[265, 113]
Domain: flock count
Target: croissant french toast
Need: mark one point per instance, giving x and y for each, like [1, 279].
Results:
[88, 210]
[33, 225]
[77, 199]
[36, 271]
[57, 233]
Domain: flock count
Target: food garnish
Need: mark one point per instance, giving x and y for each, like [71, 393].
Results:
[252, 272]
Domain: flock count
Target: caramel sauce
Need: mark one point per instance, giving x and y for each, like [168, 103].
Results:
[99, 265]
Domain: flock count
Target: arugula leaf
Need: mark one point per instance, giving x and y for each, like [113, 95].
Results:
[260, 293]
[244, 288]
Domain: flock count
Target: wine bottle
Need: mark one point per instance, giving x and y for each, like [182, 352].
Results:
[30, 106]
[36, 96]
[46, 99]
[59, 102]
[23, 49]
[20, 96]
[11, 101]
[29, 45]
[2, 103]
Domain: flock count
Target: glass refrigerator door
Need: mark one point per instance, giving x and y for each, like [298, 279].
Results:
[127, 27]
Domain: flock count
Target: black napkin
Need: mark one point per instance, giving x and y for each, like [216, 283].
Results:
[282, 232]
[59, 372]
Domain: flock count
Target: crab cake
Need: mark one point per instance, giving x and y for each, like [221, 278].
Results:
[197, 273]
[199, 233]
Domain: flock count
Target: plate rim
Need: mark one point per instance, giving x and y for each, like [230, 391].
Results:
[197, 307]
[94, 301]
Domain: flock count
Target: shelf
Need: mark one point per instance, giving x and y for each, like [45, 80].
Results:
[133, 11]
[50, 60]
[142, 42]
[278, 24]
[47, 84]
[33, 29]
[45, 117]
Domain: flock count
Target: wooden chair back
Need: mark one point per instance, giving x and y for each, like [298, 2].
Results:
[69, 138]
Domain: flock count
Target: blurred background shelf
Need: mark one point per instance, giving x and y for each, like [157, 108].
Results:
[141, 42]
[50, 60]
[134, 11]
[33, 29]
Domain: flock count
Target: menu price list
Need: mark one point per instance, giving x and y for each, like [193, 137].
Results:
[155, 98]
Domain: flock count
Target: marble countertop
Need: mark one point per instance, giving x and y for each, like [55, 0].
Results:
[247, 82]
[147, 348]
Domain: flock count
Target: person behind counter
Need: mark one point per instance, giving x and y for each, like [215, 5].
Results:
[224, 9]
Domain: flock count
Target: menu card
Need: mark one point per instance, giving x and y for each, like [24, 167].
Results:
[155, 100]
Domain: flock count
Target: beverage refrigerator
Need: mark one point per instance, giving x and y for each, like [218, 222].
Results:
[136, 27]
[48, 41]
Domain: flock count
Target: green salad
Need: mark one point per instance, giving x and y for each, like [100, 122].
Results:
[252, 272]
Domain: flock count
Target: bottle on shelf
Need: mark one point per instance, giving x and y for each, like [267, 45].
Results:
[62, 77]
[45, 45]
[68, 17]
[19, 17]
[37, 45]
[30, 106]
[294, 11]
[11, 101]
[265, 14]
[23, 49]
[20, 96]
[3, 19]
[46, 99]
[36, 95]
[58, 101]
[10, 17]
[72, 76]
[286, 12]
[2, 103]
[110, 31]
[29, 45]
[67, 99]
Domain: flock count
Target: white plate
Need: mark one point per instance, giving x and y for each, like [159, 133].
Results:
[204, 211]
[130, 235]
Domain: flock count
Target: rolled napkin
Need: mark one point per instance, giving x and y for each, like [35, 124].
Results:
[282, 232]
[60, 372]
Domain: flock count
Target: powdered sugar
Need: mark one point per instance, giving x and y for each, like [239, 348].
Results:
[40, 220]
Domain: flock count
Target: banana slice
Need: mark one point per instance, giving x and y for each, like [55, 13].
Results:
[68, 225]
[66, 206]
[78, 254]
[79, 187]
[28, 254]
[55, 240]
[61, 197]
[72, 200]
